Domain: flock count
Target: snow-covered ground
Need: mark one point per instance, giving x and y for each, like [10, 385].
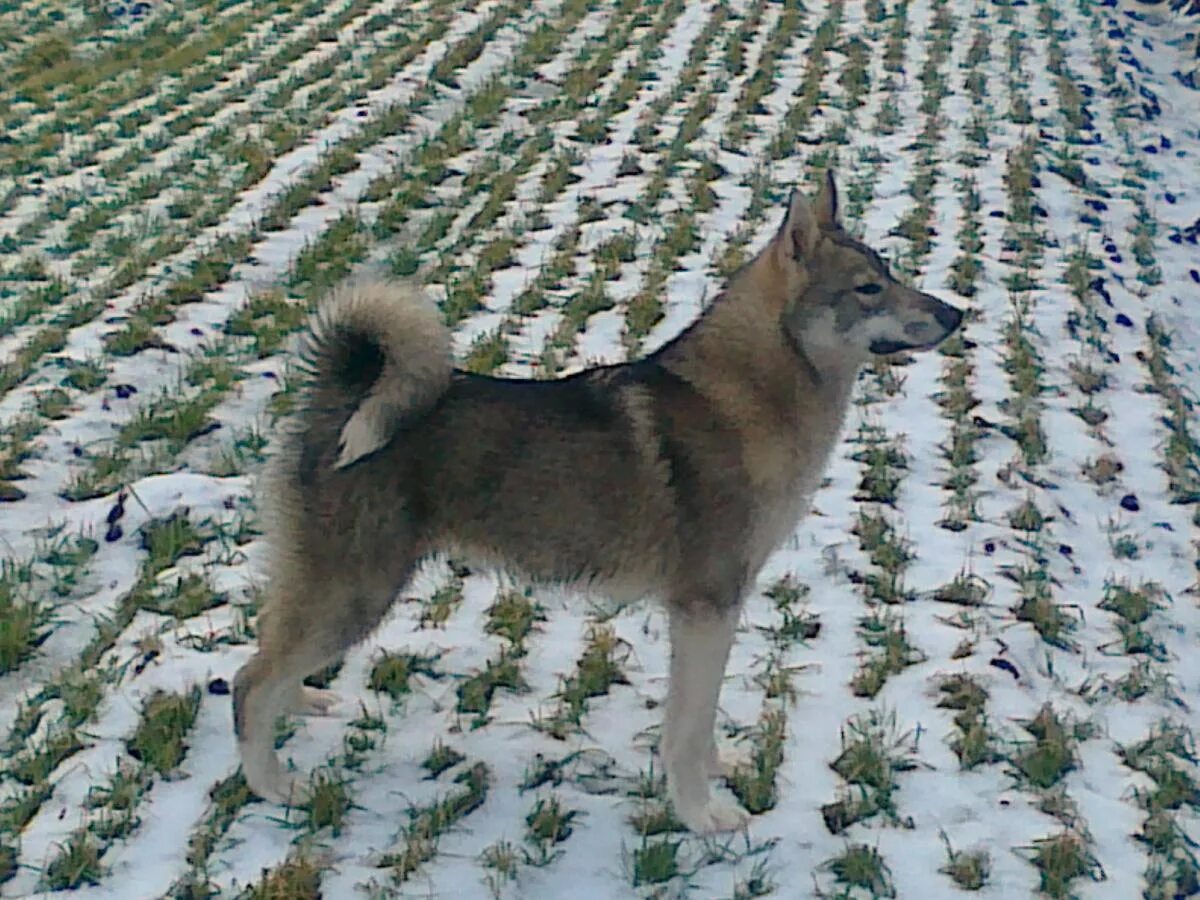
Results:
[972, 669]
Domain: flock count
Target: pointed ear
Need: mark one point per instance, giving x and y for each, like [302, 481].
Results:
[827, 200]
[799, 231]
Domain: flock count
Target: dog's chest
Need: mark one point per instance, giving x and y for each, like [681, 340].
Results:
[785, 496]
[784, 505]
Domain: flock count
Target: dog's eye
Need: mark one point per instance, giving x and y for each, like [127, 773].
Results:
[868, 289]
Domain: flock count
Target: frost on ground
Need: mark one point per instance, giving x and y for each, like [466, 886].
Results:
[973, 668]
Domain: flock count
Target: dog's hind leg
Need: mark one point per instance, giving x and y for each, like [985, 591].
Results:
[306, 624]
[701, 638]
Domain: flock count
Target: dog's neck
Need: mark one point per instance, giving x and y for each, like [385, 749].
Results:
[743, 343]
[827, 366]
[807, 364]
[787, 409]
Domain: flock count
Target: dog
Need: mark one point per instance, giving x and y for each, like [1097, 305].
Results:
[674, 475]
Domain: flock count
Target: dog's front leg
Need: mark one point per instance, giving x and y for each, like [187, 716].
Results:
[700, 642]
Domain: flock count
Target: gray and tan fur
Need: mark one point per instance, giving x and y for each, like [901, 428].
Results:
[674, 475]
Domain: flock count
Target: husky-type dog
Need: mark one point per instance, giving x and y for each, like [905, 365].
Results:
[674, 475]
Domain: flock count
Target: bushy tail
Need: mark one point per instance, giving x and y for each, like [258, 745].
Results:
[383, 345]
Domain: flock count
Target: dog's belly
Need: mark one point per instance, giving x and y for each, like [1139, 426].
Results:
[566, 582]
[602, 559]
[603, 599]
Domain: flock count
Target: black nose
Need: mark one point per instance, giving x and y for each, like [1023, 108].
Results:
[947, 316]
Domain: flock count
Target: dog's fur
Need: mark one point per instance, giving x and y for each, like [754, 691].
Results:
[675, 475]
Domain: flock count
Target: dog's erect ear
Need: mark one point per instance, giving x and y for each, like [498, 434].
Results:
[799, 231]
[827, 201]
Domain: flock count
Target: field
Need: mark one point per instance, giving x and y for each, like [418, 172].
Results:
[967, 672]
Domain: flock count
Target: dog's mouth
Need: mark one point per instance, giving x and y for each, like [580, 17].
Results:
[884, 347]
[922, 334]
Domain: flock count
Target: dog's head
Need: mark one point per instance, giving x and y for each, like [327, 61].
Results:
[846, 301]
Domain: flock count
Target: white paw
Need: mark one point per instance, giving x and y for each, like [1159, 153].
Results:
[712, 814]
[279, 787]
[311, 701]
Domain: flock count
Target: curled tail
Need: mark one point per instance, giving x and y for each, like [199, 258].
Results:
[380, 346]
